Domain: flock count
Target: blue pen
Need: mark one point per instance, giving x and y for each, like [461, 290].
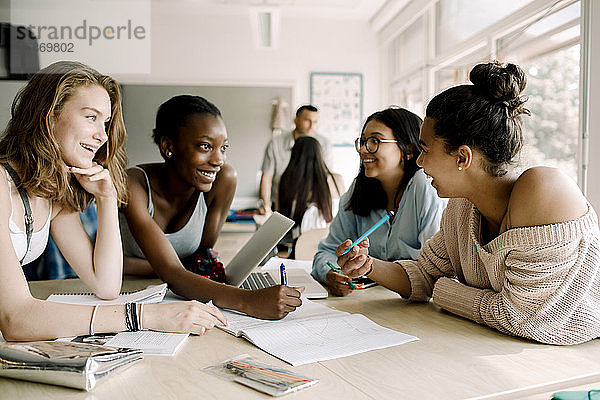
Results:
[371, 230]
[283, 274]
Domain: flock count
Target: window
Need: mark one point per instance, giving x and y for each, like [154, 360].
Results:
[408, 49]
[458, 20]
[552, 132]
[408, 94]
[552, 32]
[407, 55]
[548, 51]
[458, 72]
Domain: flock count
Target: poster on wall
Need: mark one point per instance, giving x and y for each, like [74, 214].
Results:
[339, 98]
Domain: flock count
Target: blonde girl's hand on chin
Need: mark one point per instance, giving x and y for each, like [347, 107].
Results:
[356, 262]
[95, 180]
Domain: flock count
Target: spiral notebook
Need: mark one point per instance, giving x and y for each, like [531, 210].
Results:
[152, 294]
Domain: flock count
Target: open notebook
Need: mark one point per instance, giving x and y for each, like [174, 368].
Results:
[313, 333]
[152, 343]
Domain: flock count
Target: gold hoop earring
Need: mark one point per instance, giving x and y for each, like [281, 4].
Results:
[169, 154]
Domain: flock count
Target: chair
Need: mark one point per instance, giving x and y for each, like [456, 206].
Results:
[306, 246]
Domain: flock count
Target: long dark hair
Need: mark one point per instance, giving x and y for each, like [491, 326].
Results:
[368, 193]
[305, 181]
[485, 115]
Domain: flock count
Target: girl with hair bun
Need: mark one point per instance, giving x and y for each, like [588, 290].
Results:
[516, 251]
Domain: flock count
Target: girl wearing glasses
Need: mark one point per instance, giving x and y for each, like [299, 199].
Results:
[517, 251]
[389, 180]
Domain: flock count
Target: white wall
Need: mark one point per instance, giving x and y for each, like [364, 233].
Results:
[190, 46]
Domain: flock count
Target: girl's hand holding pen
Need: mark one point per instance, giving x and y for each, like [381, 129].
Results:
[274, 302]
[356, 262]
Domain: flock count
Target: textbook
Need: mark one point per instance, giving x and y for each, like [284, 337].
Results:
[152, 294]
[76, 365]
[313, 333]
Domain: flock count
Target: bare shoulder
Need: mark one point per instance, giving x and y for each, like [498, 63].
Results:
[544, 195]
[137, 188]
[135, 175]
[224, 185]
[227, 173]
[226, 180]
[138, 176]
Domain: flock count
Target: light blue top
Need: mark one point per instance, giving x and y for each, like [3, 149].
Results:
[417, 219]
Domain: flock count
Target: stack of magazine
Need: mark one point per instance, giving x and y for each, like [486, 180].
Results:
[76, 365]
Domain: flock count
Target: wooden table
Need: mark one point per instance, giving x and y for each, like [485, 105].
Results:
[454, 359]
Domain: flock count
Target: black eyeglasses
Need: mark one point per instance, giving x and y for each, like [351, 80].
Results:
[371, 143]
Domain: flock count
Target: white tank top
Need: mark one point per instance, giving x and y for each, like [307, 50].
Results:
[39, 239]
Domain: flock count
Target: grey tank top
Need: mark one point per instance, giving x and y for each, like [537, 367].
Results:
[185, 241]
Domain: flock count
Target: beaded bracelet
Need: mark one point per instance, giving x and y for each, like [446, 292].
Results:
[131, 319]
[128, 325]
[134, 317]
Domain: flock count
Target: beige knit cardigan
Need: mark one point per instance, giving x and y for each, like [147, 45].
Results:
[538, 282]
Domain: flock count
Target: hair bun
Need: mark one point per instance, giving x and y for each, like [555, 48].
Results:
[500, 82]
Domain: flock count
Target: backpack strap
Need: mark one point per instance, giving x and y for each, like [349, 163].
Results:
[28, 217]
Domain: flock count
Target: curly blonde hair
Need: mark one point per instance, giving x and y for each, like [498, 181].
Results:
[30, 144]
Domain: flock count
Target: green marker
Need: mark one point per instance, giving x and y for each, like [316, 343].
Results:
[339, 271]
